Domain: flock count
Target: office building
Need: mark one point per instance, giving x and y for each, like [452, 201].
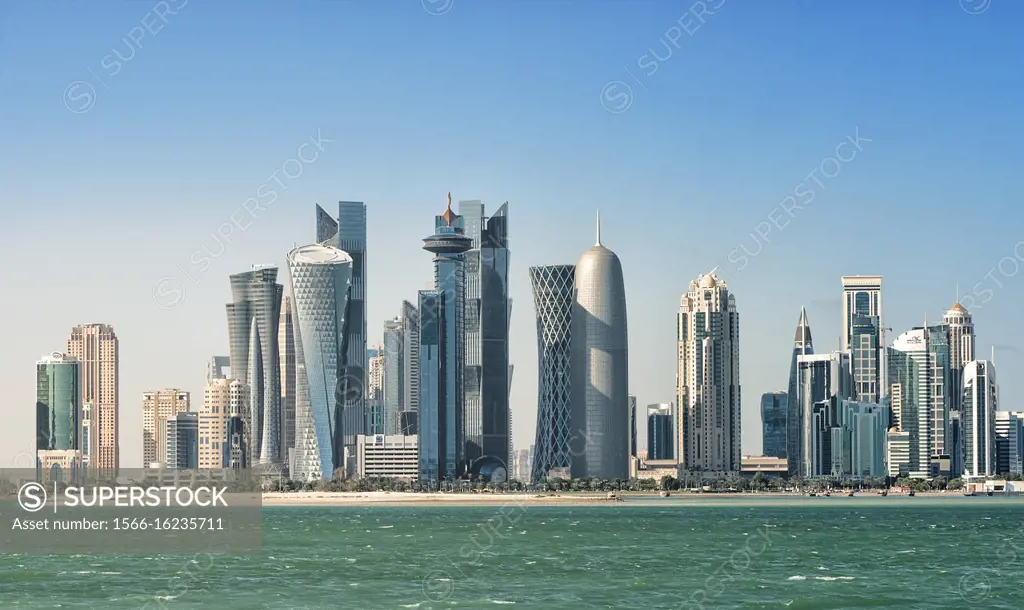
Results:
[978, 418]
[96, 347]
[863, 334]
[441, 352]
[633, 447]
[348, 234]
[553, 297]
[393, 374]
[254, 316]
[410, 367]
[157, 408]
[862, 296]
[521, 465]
[898, 452]
[286, 349]
[320, 277]
[660, 432]
[823, 381]
[387, 456]
[182, 441]
[960, 337]
[1009, 429]
[858, 442]
[488, 308]
[708, 412]
[802, 346]
[774, 410]
[374, 399]
[87, 434]
[217, 368]
[58, 403]
[918, 384]
[599, 367]
[223, 399]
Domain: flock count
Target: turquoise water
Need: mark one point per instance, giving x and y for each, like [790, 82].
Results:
[822, 553]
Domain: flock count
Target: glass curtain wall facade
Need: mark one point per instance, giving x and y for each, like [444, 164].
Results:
[58, 403]
[286, 346]
[394, 374]
[980, 402]
[442, 354]
[822, 381]
[487, 311]
[349, 235]
[553, 289]
[660, 443]
[320, 277]
[253, 318]
[802, 346]
[774, 410]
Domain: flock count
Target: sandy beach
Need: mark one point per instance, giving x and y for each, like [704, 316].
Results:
[383, 498]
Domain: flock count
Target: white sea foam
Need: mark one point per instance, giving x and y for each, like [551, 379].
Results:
[833, 578]
[797, 578]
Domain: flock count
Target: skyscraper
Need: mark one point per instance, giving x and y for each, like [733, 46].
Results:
[411, 357]
[1009, 442]
[708, 378]
[254, 317]
[442, 353]
[393, 353]
[978, 418]
[660, 443]
[349, 235]
[58, 403]
[96, 347]
[863, 333]
[286, 347]
[182, 440]
[224, 401]
[633, 447]
[960, 336]
[488, 308]
[376, 421]
[157, 407]
[823, 382]
[918, 384]
[599, 367]
[774, 413]
[215, 368]
[320, 276]
[553, 296]
[802, 346]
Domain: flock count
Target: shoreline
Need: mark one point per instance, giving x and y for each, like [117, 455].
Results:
[384, 498]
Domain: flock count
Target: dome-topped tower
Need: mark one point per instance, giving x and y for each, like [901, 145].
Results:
[600, 368]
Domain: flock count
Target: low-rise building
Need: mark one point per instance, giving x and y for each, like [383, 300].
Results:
[392, 456]
[767, 465]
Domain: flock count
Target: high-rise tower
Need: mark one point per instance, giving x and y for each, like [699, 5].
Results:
[286, 347]
[253, 318]
[411, 368]
[708, 378]
[58, 403]
[320, 277]
[863, 334]
[918, 389]
[599, 415]
[351, 238]
[802, 346]
[553, 293]
[960, 336]
[96, 347]
[980, 401]
[488, 309]
[157, 408]
[442, 353]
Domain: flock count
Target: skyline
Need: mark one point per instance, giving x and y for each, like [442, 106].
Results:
[143, 181]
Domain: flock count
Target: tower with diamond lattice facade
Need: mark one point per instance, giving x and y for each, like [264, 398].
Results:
[553, 289]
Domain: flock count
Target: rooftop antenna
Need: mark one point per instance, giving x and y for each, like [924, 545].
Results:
[958, 293]
[993, 355]
[598, 228]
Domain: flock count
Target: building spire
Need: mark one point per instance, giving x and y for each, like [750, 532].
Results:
[598, 228]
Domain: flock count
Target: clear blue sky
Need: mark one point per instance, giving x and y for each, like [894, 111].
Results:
[503, 101]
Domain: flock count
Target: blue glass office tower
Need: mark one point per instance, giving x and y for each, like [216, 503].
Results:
[802, 346]
[320, 276]
[774, 410]
[349, 235]
[554, 289]
[660, 443]
[486, 371]
[58, 403]
[442, 353]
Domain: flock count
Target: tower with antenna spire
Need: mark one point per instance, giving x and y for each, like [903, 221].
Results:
[599, 367]
[959, 329]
